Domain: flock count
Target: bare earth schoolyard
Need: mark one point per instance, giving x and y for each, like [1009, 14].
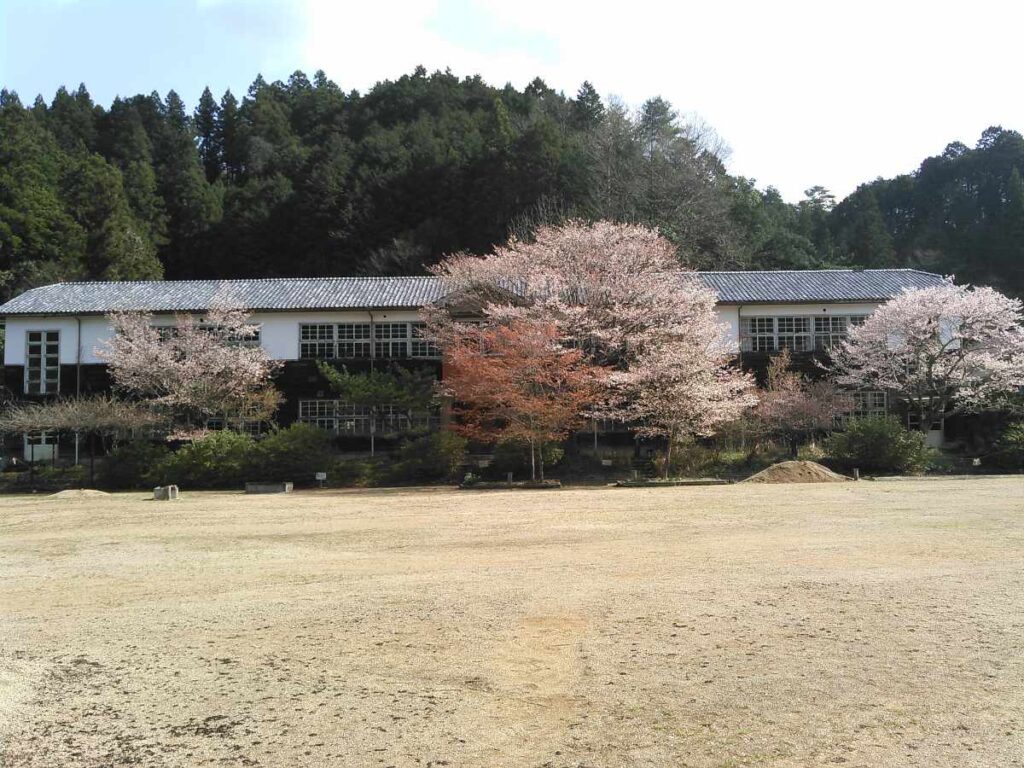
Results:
[870, 624]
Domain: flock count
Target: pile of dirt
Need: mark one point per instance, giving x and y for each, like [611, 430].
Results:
[79, 493]
[796, 472]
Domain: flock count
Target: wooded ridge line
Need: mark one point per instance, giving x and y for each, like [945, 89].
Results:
[300, 178]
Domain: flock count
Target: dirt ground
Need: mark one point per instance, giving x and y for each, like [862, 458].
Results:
[856, 624]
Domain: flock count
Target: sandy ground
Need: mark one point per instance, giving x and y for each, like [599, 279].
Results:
[860, 624]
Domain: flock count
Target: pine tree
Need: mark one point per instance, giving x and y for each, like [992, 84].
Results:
[587, 109]
[206, 121]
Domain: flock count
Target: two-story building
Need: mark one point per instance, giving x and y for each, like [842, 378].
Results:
[53, 332]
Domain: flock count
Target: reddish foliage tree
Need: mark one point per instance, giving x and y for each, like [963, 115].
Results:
[517, 382]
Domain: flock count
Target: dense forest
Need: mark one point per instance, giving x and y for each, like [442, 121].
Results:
[302, 178]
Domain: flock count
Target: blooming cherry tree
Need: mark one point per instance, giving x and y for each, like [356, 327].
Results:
[617, 293]
[675, 394]
[193, 369]
[942, 350]
[793, 407]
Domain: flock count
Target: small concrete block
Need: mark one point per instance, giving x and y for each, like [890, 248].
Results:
[165, 493]
[268, 487]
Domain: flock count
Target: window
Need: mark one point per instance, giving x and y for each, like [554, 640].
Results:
[829, 331]
[353, 340]
[420, 347]
[868, 404]
[347, 419]
[316, 341]
[328, 341]
[335, 416]
[799, 334]
[794, 333]
[759, 334]
[391, 340]
[42, 362]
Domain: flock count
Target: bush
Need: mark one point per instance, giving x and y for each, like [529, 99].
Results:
[219, 460]
[133, 464]
[880, 445]
[293, 454]
[431, 458]
[1008, 451]
[689, 459]
[514, 456]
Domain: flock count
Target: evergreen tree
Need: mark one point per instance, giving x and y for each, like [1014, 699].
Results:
[206, 122]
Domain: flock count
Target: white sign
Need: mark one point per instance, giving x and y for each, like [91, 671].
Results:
[320, 475]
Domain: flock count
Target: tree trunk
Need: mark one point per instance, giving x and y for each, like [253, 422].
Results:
[794, 446]
[373, 432]
[668, 457]
[92, 459]
[533, 462]
[540, 456]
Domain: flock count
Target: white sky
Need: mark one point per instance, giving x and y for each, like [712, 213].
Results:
[804, 93]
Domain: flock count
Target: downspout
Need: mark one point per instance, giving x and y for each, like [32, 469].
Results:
[78, 373]
[373, 408]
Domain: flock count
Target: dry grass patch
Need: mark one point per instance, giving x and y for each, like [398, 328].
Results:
[862, 624]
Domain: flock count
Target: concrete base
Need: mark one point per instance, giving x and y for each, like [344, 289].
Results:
[165, 493]
[268, 487]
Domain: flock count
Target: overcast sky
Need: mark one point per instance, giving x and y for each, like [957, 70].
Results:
[804, 93]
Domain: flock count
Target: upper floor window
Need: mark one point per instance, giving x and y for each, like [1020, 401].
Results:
[346, 341]
[797, 333]
[391, 340]
[42, 362]
[829, 331]
[420, 347]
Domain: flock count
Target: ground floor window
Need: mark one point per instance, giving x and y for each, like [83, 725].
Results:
[869, 404]
[347, 419]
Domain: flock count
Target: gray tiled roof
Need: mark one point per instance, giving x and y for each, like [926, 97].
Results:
[197, 295]
[322, 293]
[815, 285]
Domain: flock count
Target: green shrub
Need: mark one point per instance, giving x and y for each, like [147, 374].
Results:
[293, 454]
[431, 458]
[133, 464]
[689, 459]
[221, 459]
[1008, 451]
[514, 456]
[879, 445]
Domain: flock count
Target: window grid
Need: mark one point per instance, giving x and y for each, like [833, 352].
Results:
[348, 419]
[798, 333]
[794, 333]
[345, 341]
[420, 347]
[42, 362]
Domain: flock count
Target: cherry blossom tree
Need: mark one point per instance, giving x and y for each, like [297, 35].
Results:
[617, 293]
[795, 408]
[942, 350]
[672, 393]
[613, 289]
[195, 369]
[517, 382]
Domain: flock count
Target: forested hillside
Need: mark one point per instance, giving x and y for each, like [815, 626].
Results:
[301, 178]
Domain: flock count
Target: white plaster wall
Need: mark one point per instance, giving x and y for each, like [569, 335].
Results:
[729, 318]
[279, 332]
[93, 330]
[807, 310]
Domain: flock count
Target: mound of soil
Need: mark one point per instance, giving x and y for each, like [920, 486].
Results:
[79, 493]
[796, 472]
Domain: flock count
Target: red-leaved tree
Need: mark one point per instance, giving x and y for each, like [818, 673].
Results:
[517, 382]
